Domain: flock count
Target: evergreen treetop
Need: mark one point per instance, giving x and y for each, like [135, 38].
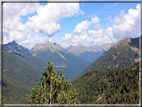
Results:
[52, 89]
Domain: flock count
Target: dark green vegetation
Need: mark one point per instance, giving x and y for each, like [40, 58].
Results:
[109, 86]
[17, 68]
[122, 54]
[91, 56]
[14, 92]
[52, 89]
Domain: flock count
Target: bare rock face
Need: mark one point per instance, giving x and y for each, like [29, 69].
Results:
[122, 42]
[47, 46]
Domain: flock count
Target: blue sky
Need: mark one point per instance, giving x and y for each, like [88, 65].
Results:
[68, 24]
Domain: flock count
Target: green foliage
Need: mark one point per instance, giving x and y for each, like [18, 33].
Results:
[52, 89]
[109, 86]
[14, 92]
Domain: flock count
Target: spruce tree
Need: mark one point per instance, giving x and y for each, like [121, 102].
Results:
[52, 89]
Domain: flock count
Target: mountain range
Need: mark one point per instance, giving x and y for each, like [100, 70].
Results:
[89, 53]
[78, 49]
[26, 66]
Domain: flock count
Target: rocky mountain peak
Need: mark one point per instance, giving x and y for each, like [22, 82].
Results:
[122, 42]
[48, 43]
[13, 46]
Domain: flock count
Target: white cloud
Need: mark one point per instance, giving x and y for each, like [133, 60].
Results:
[80, 28]
[95, 20]
[97, 26]
[47, 19]
[13, 11]
[13, 29]
[126, 25]
[92, 37]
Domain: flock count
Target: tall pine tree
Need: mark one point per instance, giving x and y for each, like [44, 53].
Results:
[52, 89]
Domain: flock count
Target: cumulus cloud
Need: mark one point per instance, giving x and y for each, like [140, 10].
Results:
[92, 37]
[12, 27]
[80, 35]
[80, 28]
[95, 20]
[126, 25]
[97, 26]
[47, 19]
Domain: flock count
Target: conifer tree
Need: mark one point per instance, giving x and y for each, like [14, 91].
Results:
[52, 89]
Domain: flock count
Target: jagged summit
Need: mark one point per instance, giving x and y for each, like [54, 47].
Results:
[122, 42]
[12, 43]
[13, 46]
[47, 46]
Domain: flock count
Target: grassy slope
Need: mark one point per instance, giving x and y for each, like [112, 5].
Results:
[17, 68]
[34, 61]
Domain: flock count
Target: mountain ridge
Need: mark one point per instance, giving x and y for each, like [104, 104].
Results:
[120, 55]
[14, 46]
[77, 49]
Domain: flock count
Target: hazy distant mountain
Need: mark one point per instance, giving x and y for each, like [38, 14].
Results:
[123, 54]
[14, 46]
[90, 53]
[81, 48]
[91, 56]
[71, 65]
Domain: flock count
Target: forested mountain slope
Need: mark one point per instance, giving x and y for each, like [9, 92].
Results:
[109, 86]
